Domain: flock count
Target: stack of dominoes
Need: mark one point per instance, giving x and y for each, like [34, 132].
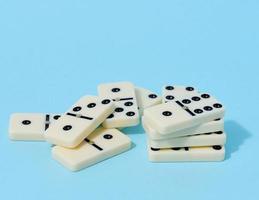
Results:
[187, 126]
[90, 131]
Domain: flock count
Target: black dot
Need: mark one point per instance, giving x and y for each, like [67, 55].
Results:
[219, 132]
[169, 97]
[186, 101]
[110, 116]
[128, 103]
[217, 119]
[169, 87]
[119, 109]
[189, 88]
[116, 89]
[106, 101]
[208, 108]
[176, 148]
[56, 117]
[107, 136]
[217, 147]
[130, 114]
[152, 96]
[198, 111]
[196, 98]
[87, 140]
[217, 105]
[167, 113]
[154, 149]
[91, 105]
[186, 148]
[26, 122]
[205, 96]
[67, 127]
[76, 109]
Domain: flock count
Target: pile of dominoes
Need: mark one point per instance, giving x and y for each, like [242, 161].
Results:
[182, 125]
[187, 126]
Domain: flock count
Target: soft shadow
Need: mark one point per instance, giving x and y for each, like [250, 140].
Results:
[236, 136]
[133, 145]
[134, 130]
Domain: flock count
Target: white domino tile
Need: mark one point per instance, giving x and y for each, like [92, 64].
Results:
[175, 92]
[100, 145]
[30, 126]
[187, 154]
[79, 121]
[209, 127]
[207, 139]
[146, 99]
[184, 113]
[126, 113]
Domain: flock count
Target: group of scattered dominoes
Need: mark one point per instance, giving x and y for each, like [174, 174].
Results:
[89, 131]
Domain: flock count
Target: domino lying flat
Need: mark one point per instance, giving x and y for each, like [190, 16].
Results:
[184, 113]
[207, 139]
[209, 127]
[100, 145]
[126, 112]
[30, 126]
[172, 93]
[210, 153]
[146, 99]
[79, 121]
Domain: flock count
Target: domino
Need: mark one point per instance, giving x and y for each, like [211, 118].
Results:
[126, 112]
[30, 126]
[100, 145]
[210, 153]
[79, 121]
[173, 93]
[146, 99]
[206, 139]
[184, 113]
[209, 127]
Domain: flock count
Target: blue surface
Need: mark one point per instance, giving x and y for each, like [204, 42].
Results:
[53, 52]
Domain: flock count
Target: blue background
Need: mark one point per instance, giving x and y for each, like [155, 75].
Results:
[53, 52]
